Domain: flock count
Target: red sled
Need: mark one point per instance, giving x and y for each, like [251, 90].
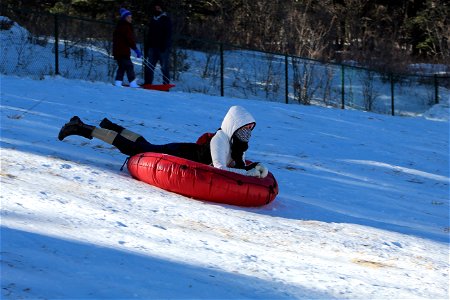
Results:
[158, 87]
[155, 87]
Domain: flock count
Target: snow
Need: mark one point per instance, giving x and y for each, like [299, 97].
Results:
[363, 209]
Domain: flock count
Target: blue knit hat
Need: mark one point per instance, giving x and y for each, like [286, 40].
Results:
[124, 13]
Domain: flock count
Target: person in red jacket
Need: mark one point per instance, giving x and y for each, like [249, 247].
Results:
[123, 40]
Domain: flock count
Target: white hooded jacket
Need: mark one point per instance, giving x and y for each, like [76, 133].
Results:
[235, 118]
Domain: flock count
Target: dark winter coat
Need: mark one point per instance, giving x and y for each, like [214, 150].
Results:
[159, 34]
[123, 40]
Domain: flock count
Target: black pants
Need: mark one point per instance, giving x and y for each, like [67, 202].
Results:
[190, 151]
[154, 56]
[125, 65]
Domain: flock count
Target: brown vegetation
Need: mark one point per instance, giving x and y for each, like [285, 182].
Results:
[382, 35]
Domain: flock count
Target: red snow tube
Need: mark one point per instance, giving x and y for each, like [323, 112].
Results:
[200, 181]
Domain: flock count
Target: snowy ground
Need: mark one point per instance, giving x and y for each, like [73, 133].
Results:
[363, 209]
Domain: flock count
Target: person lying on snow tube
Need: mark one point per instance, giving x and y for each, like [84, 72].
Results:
[225, 151]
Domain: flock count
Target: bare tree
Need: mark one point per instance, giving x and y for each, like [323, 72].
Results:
[367, 78]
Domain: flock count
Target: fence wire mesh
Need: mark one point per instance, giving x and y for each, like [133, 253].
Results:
[76, 48]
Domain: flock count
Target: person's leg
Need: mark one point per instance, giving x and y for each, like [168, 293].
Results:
[129, 147]
[152, 59]
[124, 145]
[107, 124]
[190, 151]
[129, 68]
[165, 67]
[120, 72]
[130, 142]
[148, 71]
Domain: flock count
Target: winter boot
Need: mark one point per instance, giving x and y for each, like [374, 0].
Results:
[118, 83]
[76, 127]
[134, 84]
[107, 124]
[130, 135]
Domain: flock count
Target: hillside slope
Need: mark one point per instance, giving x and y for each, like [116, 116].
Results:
[362, 210]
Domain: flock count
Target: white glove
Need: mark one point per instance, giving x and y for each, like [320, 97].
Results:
[262, 170]
[253, 172]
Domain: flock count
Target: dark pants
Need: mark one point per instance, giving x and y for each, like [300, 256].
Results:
[190, 151]
[125, 65]
[154, 56]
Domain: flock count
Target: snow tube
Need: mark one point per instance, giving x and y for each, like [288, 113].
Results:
[200, 181]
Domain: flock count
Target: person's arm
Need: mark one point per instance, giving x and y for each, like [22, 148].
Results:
[219, 153]
[131, 41]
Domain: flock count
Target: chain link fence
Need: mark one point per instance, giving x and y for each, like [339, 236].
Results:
[78, 48]
[47, 44]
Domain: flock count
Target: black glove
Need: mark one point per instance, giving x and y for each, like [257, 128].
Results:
[250, 166]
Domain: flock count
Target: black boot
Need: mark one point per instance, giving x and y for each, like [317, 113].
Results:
[107, 124]
[76, 127]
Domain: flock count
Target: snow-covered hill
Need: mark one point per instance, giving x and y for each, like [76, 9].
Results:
[363, 208]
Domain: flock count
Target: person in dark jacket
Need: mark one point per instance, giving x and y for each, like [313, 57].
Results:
[226, 149]
[158, 43]
[123, 40]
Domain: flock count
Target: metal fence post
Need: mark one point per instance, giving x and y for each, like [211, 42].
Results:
[222, 88]
[286, 79]
[56, 45]
[342, 87]
[391, 77]
[143, 32]
[175, 63]
[436, 89]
